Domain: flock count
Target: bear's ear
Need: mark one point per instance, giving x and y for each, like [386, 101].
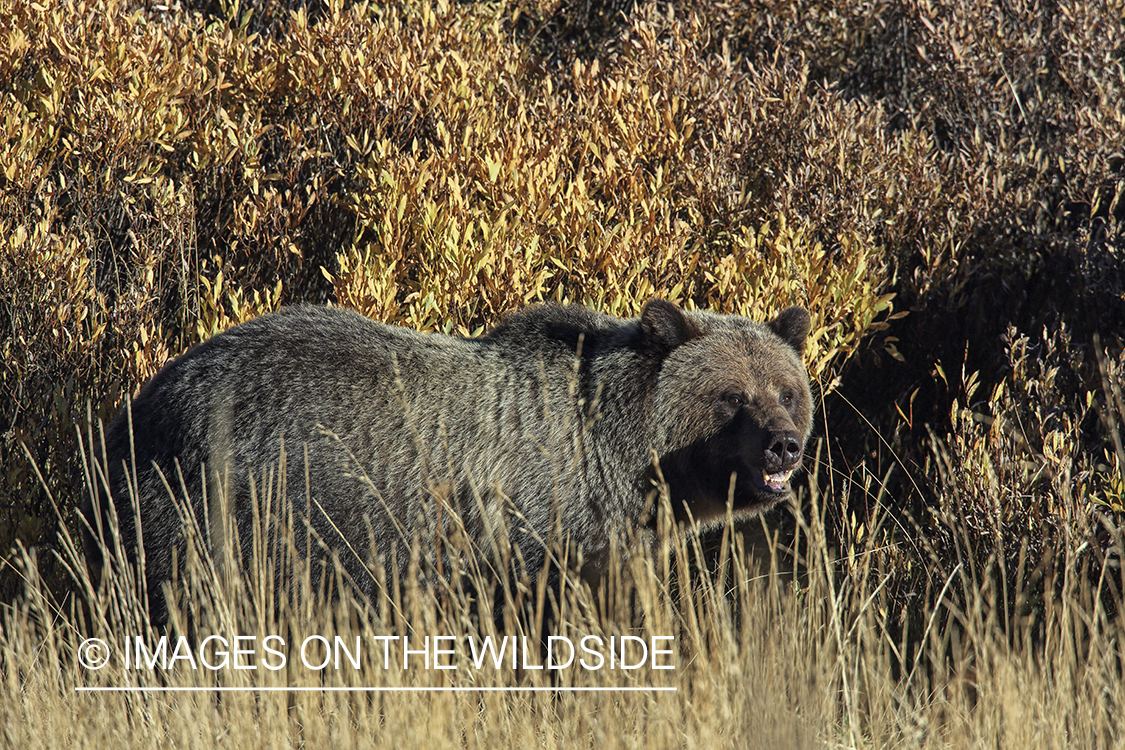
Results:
[792, 325]
[664, 327]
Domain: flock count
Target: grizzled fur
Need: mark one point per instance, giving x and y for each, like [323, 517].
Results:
[549, 421]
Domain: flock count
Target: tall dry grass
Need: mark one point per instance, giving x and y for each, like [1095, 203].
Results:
[795, 645]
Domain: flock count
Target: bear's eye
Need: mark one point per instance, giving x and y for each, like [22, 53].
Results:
[786, 399]
[734, 399]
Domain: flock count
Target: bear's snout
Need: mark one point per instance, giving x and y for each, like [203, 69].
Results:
[783, 452]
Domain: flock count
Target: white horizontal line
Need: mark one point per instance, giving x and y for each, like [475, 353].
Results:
[450, 689]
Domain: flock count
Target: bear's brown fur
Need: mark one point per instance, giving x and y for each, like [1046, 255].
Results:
[546, 425]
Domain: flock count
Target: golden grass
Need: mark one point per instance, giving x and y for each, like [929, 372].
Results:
[773, 647]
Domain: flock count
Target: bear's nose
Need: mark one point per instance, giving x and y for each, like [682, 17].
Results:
[784, 452]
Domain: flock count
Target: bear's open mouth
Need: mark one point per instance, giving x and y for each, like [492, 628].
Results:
[777, 482]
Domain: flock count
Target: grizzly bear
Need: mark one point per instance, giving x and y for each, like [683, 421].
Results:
[549, 426]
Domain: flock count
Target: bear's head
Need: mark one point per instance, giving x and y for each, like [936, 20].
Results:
[732, 409]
